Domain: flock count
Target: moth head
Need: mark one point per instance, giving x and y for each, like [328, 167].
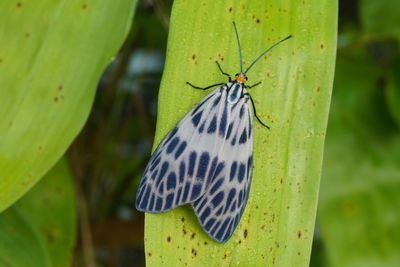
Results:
[241, 77]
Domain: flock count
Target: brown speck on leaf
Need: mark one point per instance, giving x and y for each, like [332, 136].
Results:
[193, 236]
[168, 239]
[55, 99]
[84, 6]
[245, 233]
[19, 4]
[183, 219]
[27, 35]
[257, 20]
[149, 254]
[230, 9]
[194, 56]
[318, 89]
[240, 241]
[184, 231]
[299, 234]
[194, 252]
[298, 253]
[60, 87]
[322, 46]
[205, 243]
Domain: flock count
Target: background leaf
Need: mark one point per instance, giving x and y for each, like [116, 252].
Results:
[277, 226]
[40, 229]
[359, 201]
[52, 54]
[380, 18]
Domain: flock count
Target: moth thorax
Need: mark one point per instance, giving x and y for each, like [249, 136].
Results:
[235, 92]
[241, 78]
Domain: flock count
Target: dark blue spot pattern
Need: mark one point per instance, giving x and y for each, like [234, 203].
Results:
[192, 163]
[171, 181]
[180, 149]
[241, 112]
[233, 171]
[242, 171]
[203, 165]
[243, 137]
[196, 118]
[168, 202]
[217, 199]
[223, 122]
[213, 125]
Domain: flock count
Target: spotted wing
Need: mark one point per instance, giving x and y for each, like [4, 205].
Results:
[184, 163]
[221, 206]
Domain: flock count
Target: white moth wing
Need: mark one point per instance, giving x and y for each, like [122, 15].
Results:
[182, 166]
[221, 206]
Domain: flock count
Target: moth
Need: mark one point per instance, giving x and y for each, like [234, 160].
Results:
[207, 158]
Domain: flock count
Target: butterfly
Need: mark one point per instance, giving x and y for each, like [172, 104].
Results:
[207, 158]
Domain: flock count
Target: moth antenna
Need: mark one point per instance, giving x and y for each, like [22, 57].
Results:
[266, 51]
[240, 50]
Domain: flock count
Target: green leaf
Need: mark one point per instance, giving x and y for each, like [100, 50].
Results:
[52, 54]
[40, 229]
[278, 223]
[359, 202]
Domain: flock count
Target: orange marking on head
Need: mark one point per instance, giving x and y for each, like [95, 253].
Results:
[241, 78]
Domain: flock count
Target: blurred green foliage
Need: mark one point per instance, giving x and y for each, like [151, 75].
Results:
[358, 216]
[40, 228]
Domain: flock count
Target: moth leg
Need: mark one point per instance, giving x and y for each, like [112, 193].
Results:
[254, 85]
[205, 88]
[224, 73]
[255, 112]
